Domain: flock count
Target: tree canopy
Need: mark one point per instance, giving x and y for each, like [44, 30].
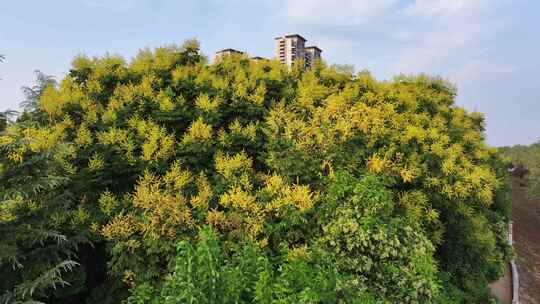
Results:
[167, 179]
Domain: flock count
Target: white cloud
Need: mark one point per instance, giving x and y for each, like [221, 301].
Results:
[434, 49]
[333, 13]
[457, 32]
[439, 8]
[433, 36]
[483, 70]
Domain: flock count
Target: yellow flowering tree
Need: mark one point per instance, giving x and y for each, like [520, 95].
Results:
[303, 164]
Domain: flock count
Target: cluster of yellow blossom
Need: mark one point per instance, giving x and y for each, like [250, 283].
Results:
[376, 165]
[37, 140]
[399, 131]
[258, 95]
[207, 105]
[160, 200]
[198, 131]
[310, 91]
[202, 199]
[300, 197]
[84, 136]
[45, 139]
[176, 177]
[232, 166]
[6, 140]
[236, 131]
[96, 162]
[120, 139]
[107, 202]
[122, 226]
[158, 144]
[7, 208]
[53, 101]
[165, 102]
[165, 212]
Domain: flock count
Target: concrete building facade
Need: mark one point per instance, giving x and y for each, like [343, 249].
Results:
[225, 52]
[312, 53]
[290, 48]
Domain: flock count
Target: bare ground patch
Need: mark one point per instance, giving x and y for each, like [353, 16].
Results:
[526, 216]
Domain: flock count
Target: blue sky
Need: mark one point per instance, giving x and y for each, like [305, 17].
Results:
[489, 48]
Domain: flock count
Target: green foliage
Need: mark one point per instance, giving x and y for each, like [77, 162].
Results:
[206, 273]
[171, 180]
[382, 251]
[32, 95]
[6, 118]
[525, 161]
[203, 274]
[50, 278]
[36, 249]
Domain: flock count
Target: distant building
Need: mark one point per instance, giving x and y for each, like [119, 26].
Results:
[258, 58]
[312, 53]
[226, 52]
[290, 48]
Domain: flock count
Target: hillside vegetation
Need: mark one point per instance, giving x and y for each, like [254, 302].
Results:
[525, 161]
[169, 180]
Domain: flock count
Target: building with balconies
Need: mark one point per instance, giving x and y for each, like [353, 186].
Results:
[290, 48]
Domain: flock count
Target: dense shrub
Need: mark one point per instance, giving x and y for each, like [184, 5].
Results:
[170, 180]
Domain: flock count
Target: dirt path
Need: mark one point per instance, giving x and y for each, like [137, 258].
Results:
[526, 216]
[502, 289]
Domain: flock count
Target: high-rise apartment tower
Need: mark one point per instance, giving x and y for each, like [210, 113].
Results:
[290, 48]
